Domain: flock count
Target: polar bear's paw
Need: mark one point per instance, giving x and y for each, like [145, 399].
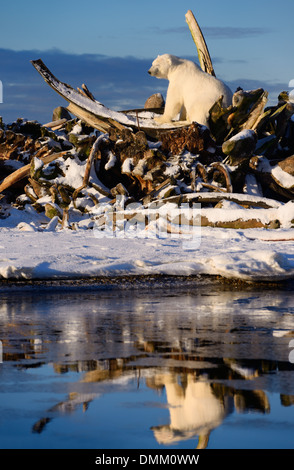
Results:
[161, 120]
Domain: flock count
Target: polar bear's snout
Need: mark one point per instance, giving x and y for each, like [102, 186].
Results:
[153, 71]
[157, 69]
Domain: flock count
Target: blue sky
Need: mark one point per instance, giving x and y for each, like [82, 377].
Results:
[110, 45]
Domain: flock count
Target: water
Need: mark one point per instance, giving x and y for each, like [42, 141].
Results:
[174, 367]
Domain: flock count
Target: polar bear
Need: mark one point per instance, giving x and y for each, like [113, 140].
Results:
[191, 92]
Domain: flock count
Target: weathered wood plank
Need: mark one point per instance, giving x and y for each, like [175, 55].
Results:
[25, 171]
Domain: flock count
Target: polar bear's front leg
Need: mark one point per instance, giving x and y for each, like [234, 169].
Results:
[173, 106]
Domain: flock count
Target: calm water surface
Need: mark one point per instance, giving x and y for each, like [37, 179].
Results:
[174, 367]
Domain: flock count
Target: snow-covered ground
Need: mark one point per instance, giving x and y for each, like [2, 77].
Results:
[27, 252]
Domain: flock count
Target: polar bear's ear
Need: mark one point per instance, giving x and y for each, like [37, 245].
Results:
[168, 59]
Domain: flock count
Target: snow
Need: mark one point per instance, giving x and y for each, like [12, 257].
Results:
[127, 165]
[285, 214]
[28, 251]
[252, 187]
[37, 163]
[73, 170]
[70, 255]
[244, 134]
[111, 161]
[244, 198]
[282, 177]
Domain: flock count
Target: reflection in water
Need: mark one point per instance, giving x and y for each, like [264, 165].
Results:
[199, 407]
[194, 409]
[209, 353]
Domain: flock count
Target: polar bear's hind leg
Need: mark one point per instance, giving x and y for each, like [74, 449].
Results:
[183, 114]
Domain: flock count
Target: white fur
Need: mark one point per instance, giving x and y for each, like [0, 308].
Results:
[191, 92]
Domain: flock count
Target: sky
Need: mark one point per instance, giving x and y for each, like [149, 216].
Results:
[110, 47]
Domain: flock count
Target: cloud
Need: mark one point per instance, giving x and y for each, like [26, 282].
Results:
[218, 32]
[116, 82]
[231, 32]
[119, 83]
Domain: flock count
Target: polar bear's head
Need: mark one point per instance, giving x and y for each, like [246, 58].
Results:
[162, 65]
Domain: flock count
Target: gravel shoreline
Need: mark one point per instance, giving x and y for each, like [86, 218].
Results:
[143, 282]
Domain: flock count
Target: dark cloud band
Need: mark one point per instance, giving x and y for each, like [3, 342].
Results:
[119, 83]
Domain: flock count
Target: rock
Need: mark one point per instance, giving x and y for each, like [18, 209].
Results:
[24, 227]
[65, 197]
[53, 210]
[61, 113]
[274, 224]
[119, 190]
[36, 169]
[154, 101]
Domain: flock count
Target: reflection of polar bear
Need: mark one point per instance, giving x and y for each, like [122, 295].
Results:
[191, 91]
[194, 409]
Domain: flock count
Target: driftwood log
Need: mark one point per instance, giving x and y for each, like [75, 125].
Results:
[25, 171]
[93, 154]
[278, 177]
